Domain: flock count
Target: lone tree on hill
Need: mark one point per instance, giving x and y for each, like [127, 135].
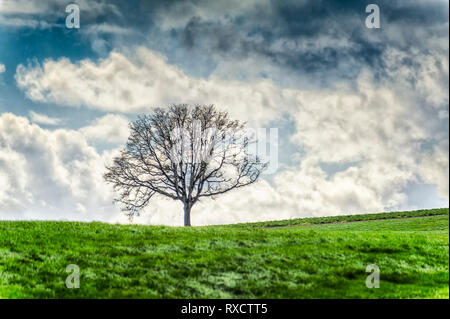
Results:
[184, 153]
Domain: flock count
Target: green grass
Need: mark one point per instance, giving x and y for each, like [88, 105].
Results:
[320, 258]
[348, 218]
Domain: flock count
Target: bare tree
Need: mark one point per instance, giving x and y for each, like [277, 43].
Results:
[184, 153]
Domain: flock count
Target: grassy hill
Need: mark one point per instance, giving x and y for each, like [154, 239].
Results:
[301, 258]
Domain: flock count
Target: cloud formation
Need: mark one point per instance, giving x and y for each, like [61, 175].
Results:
[49, 174]
[111, 128]
[307, 43]
[44, 119]
[434, 169]
[143, 81]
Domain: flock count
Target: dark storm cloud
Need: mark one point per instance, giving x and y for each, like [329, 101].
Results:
[296, 34]
[320, 39]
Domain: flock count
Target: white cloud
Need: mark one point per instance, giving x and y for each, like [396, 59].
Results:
[108, 29]
[2, 68]
[111, 128]
[32, 7]
[20, 6]
[434, 170]
[428, 75]
[122, 84]
[44, 119]
[50, 174]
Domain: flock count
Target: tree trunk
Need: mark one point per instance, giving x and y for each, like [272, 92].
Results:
[187, 214]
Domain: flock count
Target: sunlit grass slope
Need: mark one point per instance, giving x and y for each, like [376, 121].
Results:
[313, 258]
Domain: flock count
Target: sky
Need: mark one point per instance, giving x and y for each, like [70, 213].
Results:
[362, 113]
